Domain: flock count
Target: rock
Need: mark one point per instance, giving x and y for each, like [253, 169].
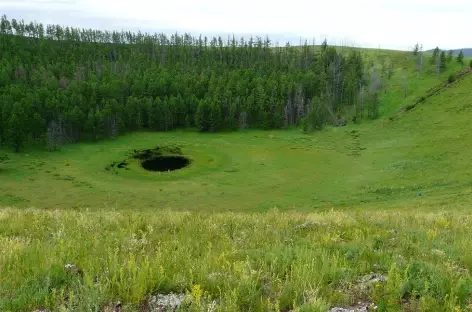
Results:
[166, 302]
[177, 302]
[360, 307]
[371, 279]
[73, 269]
[113, 307]
[340, 122]
[303, 226]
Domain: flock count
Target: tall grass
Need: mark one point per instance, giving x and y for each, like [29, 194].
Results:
[246, 262]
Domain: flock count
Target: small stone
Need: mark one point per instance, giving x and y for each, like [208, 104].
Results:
[360, 307]
[73, 269]
[303, 226]
[367, 281]
[113, 307]
[166, 302]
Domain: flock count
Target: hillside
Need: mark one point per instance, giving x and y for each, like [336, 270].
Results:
[375, 240]
[359, 199]
[467, 51]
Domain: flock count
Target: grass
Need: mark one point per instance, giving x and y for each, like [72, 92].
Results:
[266, 262]
[260, 220]
[375, 164]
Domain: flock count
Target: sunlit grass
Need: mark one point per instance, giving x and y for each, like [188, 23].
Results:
[246, 262]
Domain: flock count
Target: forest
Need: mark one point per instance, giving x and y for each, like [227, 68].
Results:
[63, 85]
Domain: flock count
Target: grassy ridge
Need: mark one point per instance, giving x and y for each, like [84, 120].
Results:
[275, 261]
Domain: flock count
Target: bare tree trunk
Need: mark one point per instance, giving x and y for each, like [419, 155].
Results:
[405, 86]
[438, 65]
[361, 100]
[420, 63]
[243, 120]
[54, 136]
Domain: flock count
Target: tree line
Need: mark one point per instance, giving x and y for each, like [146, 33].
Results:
[61, 84]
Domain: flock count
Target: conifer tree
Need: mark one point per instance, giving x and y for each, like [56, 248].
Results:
[435, 56]
[17, 127]
[449, 56]
[460, 58]
[443, 60]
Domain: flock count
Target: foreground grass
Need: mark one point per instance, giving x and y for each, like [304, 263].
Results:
[275, 261]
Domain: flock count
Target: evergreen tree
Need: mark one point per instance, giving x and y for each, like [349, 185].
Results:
[75, 84]
[416, 49]
[17, 127]
[214, 116]
[316, 118]
[435, 56]
[460, 58]
[449, 56]
[443, 60]
[202, 116]
[374, 106]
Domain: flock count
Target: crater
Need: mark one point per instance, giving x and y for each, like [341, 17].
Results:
[160, 159]
[165, 163]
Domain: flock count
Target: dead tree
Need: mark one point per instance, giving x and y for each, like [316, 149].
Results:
[420, 61]
[361, 99]
[405, 85]
[243, 120]
[54, 135]
[299, 103]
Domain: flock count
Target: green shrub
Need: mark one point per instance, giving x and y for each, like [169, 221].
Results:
[421, 99]
[3, 157]
[451, 78]
[470, 64]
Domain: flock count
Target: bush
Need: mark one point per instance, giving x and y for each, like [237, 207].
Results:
[470, 64]
[451, 78]
[3, 157]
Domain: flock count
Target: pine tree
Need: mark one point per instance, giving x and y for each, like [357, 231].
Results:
[416, 49]
[443, 60]
[449, 56]
[202, 116]
[92, 89]
[316, 117]
[214, 117]
[460, 58]
[435, 56]
[17, 131]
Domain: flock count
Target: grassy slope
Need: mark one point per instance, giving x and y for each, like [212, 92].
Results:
[376, 164]
[370, 173]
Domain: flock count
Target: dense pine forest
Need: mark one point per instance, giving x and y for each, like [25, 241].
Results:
[61, 84]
